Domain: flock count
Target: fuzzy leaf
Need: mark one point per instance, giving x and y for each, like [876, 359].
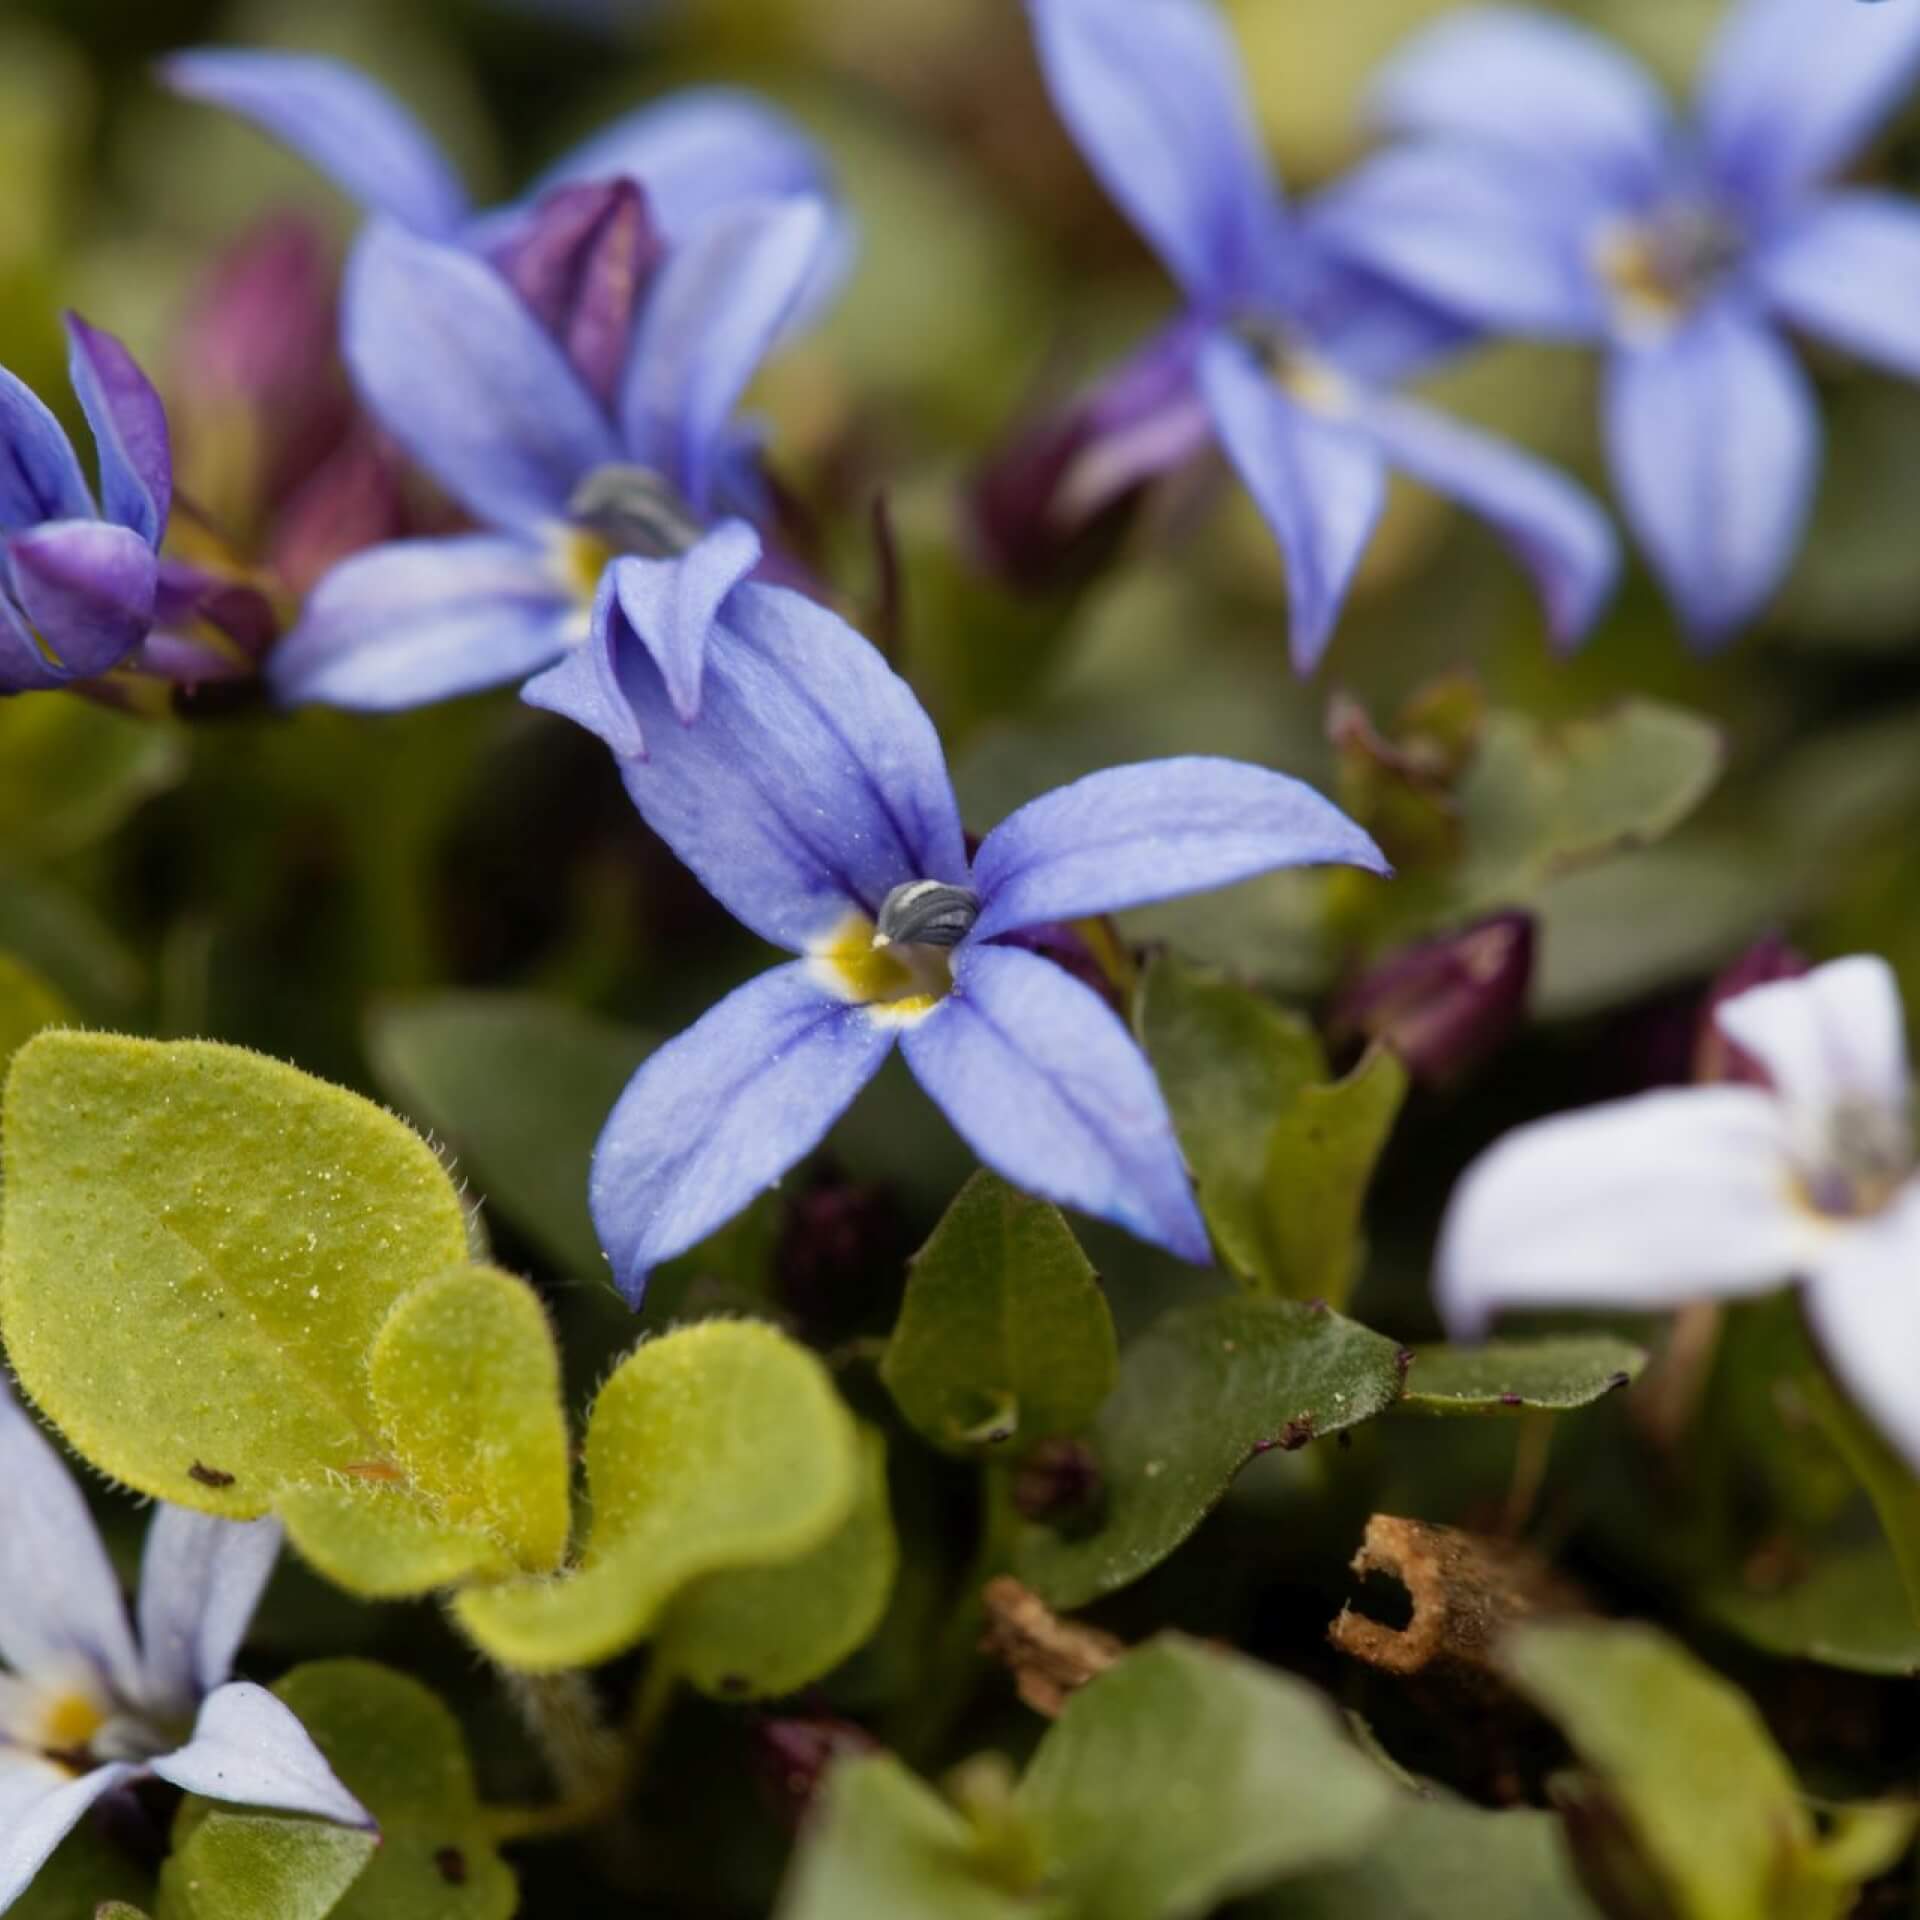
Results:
[1004, 1337]
[200, 1246]
[467, 1381]
[1320, 1158]
[400, 1752]
[1183, 1776]
[1202, 1391]
[886, 1846]
[1517, 1376]
[716, 1447]
[385, 1542]
[1228, 1062]
[773, 1630]
[27, 1004]
[522, 1087]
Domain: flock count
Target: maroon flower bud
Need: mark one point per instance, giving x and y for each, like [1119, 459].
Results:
[581, 259]
[793, 1757]
[1445, 1005]
[1715, 1057]
[842, 1249]
[1060, 1485]
[355, 497]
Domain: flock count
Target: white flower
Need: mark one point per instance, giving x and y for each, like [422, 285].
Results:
[85, 1708]
[1726, 1190]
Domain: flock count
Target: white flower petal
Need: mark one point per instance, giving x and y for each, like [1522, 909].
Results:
[1639, 1203]
[1836, 1034]
[200, 1580]
[40, 1804]
[249, 1748]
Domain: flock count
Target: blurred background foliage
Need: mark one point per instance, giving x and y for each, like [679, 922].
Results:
[456, 909]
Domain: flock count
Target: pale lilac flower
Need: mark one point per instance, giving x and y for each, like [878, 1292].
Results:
[1728, 1190]
[86, 1708]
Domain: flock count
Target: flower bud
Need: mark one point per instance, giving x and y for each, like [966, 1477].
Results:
[1445, 1005]
[792, 1757]
[1060, 1485]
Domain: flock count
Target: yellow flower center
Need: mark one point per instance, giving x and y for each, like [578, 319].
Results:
[67, 1723]
[1658, 270]
[581, 556]
[901, 982]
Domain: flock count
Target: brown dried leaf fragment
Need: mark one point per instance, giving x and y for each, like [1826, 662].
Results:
[1049, 1657]
[1466, 1591]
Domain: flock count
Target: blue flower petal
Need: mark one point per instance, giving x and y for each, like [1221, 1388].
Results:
[718, 305]
[722, 1112]
[1848, 271]
[583, 685]
[1537, 88]
[1152, 94]
[1127, 835]
[40, 477]
[129, 427]
[1714, 436]
[1043, 1082]
[672, 604]
[336, 119]
[423, 620]
[1556, 529]
[813, 782]
[454, 366]
[88, 587]
[1319, 483]
[1784, 100]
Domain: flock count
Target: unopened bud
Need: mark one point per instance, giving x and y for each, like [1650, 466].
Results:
[1060, 1485]
[792, 1757]
[842, 1249]
[1445, 1005]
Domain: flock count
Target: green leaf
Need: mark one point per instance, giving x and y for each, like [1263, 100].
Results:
[467, 1381]
[27, 1004]
[71, 771]
[1183, 1776]
[1705, 1794]
[1848, 1607]
[400, 1752]
[522, 1087]
[1320, 1157]
[773, 1630]
[1229, 1062]
[1519, 1376]
[1439, 1860]
[885, 1846]
[1004, 1337]
[385, 1542]
[200, 1247]
[716, 1447]
[1203, 1390]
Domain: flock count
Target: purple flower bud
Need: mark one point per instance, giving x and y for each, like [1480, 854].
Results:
[792, 1757]
[1715, 1057]
[581, 259]
[1445, 1005]
[354, 498]
[1060, 1485]
[842, 1249]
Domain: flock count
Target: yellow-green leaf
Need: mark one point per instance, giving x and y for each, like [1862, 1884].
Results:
[200, 1247]
[385, 1542]
[715, 1447]
[27, 1004]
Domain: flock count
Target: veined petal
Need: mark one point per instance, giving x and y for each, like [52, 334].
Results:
[467, 380]
[719, 303]
[1715, 442]
[249, 1748]
[722, 1112]
[1782, 105]
[1555, 528]
[1835, 1034]
[1864, 1309]
[1045, 1084]
[1320, 484]
[1541, 89]
[58, 1597]
[583, 685]
[1846, 271]
[1152, 93]
[697, 153]
[1647, 1202]
[40, 1804]
[40, 477]
[672, 605]
[813, 783]
[338, 120]
[1504, 246]
[1127, 835]
[421, 620]
[129, 427]
[88, 587]
[200, 1580]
